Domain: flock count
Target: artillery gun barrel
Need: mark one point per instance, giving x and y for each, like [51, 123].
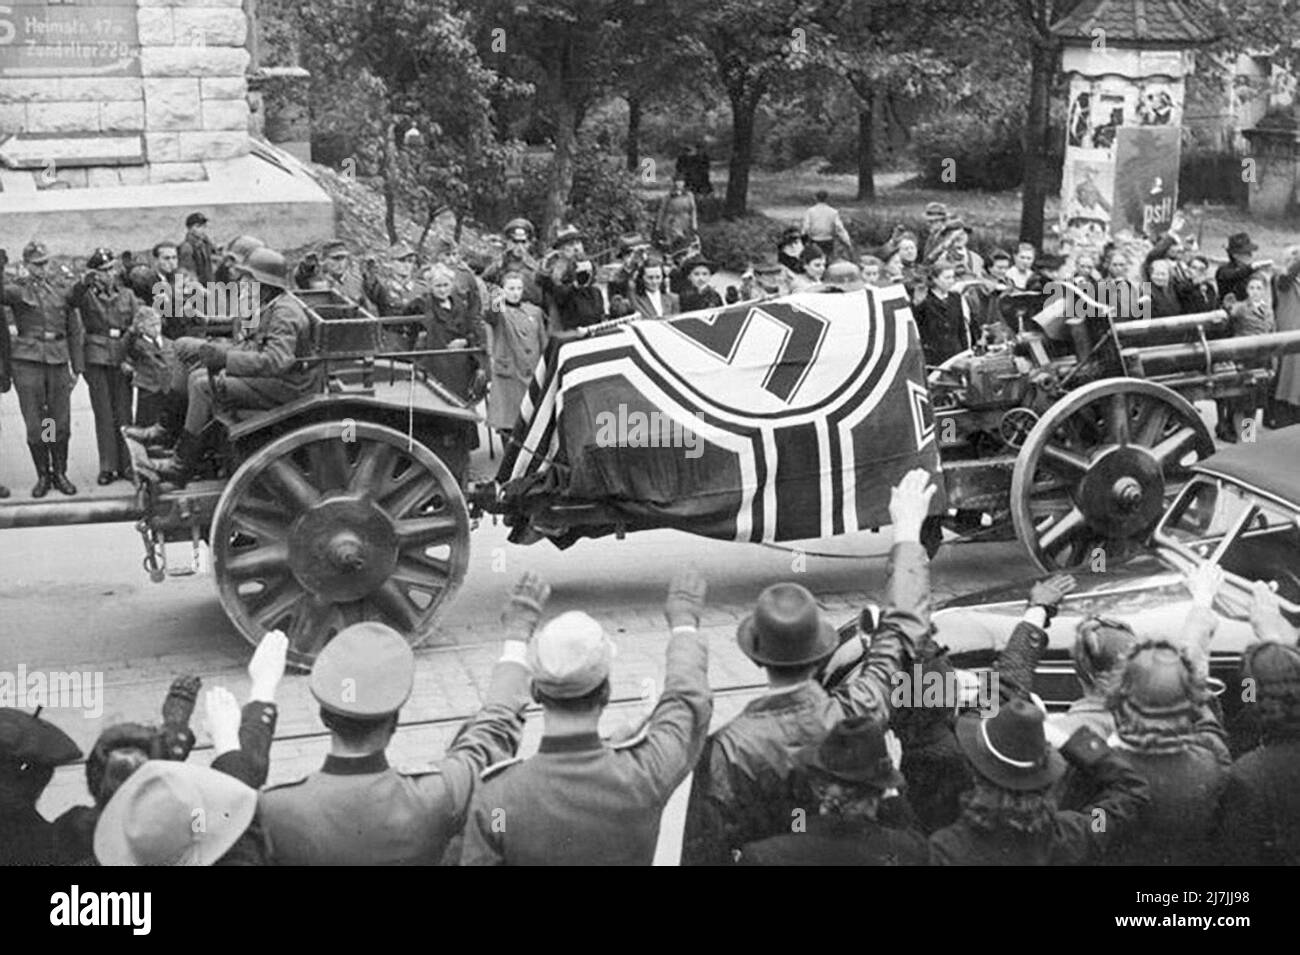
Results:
[1158, 360]
[1135, 332]
[114, 510]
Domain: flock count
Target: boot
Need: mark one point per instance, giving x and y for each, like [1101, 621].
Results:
[59, 476]
[153, 436]
[41, 458]
[179, 468]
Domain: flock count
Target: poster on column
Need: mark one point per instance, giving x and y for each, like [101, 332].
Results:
[1087, 185]
[1146, 178]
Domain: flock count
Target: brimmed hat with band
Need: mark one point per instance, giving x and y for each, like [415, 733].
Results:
[786, 629]
[1010, 748]
[853, 751]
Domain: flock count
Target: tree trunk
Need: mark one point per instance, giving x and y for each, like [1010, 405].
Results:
[561, 182]
[633, 132]
[866, 148]
[743, 108]
[390, 183]
[1037, 136]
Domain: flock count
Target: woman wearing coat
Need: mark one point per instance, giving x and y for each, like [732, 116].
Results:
[447, 324]
[649, 294]
[518, 339]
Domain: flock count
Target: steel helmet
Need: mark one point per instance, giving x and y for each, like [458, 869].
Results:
[267, 266]
[240, 248]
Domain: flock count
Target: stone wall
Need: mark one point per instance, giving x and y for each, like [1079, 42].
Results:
[189, 103]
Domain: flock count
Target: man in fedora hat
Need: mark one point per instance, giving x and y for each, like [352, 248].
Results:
[357, 810]
[176, 814]
[581, 800]
[853, 774]
[1010, 817]
[1261, 805]
[30, 749]
[632, 251]
[936, 215]
[568, 281]
[743, 786]
[1232, 276]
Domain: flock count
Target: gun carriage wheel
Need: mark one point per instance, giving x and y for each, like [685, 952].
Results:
[336, 523]
[1096, 472]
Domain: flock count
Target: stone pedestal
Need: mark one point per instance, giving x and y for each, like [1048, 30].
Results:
[279, 101]
[118, 108]
[1275, 151]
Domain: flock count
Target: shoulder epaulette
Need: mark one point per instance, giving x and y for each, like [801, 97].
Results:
[296, 782]
[495, 768]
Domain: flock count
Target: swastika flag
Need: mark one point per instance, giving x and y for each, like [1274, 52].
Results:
[777, 420]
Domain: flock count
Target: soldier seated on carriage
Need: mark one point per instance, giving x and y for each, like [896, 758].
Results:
[261, 371]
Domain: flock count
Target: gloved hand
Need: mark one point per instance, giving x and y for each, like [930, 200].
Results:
[175, 738]
[212, 357]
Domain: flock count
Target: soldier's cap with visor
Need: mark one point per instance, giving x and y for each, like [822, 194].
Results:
[570, 656]
[35, 251]
[195, 218]
[366, 672]
[568, 233]
[333, 247]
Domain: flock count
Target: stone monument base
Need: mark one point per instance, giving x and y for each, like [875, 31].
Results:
[268, 194]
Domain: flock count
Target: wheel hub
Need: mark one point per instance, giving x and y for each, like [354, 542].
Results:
[1122, 495]
[343, 548]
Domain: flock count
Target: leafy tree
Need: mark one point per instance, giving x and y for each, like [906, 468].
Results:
[567, 49]
[754, 44]
[388, 66]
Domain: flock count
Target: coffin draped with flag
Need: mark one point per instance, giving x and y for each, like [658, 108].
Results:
[778, 420]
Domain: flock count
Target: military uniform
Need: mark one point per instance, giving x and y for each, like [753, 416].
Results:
[45, 344]
[357, 810]
[262, 370]
[106, 316]
[581, 801]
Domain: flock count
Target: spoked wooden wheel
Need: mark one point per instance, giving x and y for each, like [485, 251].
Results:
[1096, 472]
[331, 525]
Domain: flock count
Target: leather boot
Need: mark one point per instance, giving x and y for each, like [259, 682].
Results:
[153, 436]
[179, 468]
[59, 468]
[41, 458]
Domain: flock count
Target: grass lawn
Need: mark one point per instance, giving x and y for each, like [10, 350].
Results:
[994, 216]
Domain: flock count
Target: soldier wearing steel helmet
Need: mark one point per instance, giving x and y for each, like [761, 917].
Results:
[45, 355]
[263, 370]
[358, 810]
[107, 308]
